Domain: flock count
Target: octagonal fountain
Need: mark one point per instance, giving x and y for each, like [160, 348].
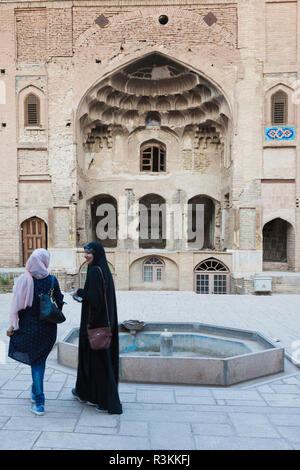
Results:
[187, 353]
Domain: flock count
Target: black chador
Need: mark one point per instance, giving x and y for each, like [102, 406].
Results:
[98, 371]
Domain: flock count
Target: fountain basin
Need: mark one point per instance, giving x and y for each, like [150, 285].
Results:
[203, 354]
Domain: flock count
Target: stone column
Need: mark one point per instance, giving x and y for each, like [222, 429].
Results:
[128, 220]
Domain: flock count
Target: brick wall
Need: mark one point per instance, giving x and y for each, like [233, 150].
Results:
[31, 31]
[49, 32]
[281, 31]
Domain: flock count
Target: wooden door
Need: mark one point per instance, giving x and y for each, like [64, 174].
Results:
[34, 234]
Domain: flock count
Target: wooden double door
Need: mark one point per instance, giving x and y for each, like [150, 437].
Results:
[34, 235]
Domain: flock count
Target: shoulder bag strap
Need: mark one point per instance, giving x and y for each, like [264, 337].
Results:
[105, 299]
[51, 291]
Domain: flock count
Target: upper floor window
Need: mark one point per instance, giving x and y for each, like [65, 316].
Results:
[279, 108]
[32, 110]
[153, 157]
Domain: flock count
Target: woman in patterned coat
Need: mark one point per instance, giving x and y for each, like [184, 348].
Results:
[32, 339]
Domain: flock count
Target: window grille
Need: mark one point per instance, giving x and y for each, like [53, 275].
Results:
[211, 265]
[153, 270]
[32, 111]
[279, 108]
[153, 158]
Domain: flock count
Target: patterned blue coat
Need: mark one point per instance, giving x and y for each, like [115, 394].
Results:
[33, 341]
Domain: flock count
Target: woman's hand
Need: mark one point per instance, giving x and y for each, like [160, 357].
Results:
[10, 331]
[75, 297]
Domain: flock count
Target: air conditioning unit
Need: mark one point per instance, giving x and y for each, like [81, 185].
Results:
[262, 284]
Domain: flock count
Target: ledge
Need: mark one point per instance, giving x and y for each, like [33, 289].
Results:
[30, 178]
[32, 145]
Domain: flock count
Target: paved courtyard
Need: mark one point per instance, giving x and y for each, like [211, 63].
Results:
[261, 414]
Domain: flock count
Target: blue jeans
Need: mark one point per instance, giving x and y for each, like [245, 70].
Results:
[37, 388]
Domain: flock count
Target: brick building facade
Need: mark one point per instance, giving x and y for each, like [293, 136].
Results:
[128, 103]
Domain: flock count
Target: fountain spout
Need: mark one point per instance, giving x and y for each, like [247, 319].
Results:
[166, 343]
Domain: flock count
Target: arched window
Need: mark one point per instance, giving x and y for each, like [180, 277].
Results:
[153, 270]
[32, 110]
[104, 214]
[195, 223]
[152, 218]
[279, 110]
[211, 277]
[153, 157]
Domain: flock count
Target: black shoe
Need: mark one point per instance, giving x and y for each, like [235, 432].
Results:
[75, 395]
[101, 410]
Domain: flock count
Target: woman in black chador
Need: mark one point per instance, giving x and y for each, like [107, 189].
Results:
[98, 371]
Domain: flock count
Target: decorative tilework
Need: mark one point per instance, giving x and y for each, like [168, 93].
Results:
[279, 133]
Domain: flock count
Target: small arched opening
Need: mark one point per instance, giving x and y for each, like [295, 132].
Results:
[278, 245]
[152, 222]
[104, 214]
[201, 223]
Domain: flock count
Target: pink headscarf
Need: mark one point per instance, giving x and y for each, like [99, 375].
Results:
[36, 266]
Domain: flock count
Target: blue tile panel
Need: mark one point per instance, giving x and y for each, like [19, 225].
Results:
[280, 133]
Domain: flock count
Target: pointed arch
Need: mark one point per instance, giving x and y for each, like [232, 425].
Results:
[279, 107]
[278, 244]
[201, 220]
[104, 217]
[152, 217]
[34, 235]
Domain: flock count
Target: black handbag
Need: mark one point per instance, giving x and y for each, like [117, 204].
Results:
[49, 311]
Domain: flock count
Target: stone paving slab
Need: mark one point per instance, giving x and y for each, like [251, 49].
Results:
[63, 440]
[209, 429]
[292, 433]
[240, 443]
[155, 396]
[34, 423]
[261, 414]
[171, 436]
[96, 430]
[134, 428]
[153, 418]
[17, 440]
[254, 425]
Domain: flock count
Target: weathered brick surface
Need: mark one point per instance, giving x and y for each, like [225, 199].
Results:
[60, 32]
[31, 29]
[281, 31]
[60, 51]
